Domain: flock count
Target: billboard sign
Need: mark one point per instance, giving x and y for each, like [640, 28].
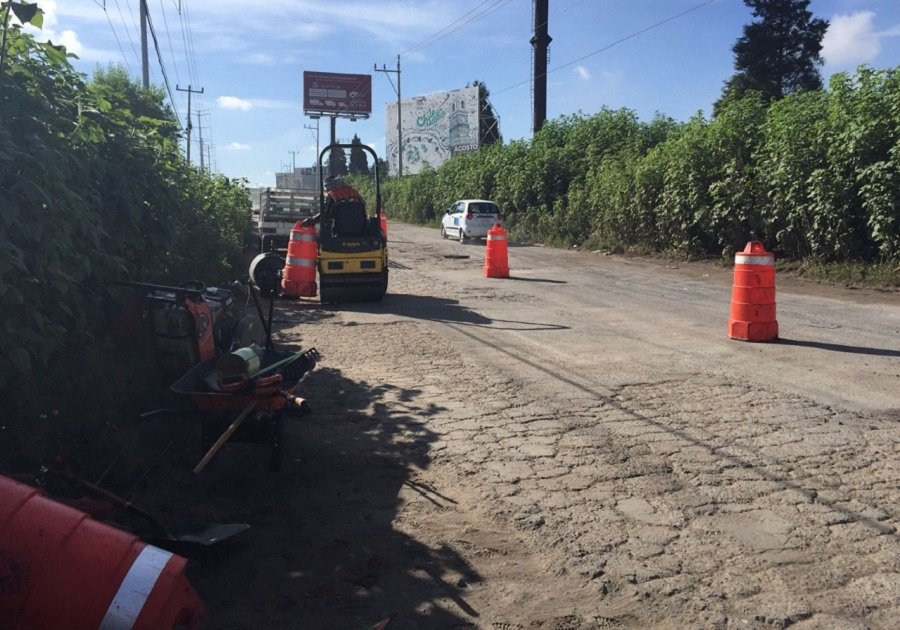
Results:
[433, 127]
[330, 93]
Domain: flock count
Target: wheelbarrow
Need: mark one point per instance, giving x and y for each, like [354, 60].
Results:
[248, 407]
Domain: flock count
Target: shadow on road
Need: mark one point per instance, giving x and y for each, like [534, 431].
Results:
[836, 347]
[443, 310]
[325, 548]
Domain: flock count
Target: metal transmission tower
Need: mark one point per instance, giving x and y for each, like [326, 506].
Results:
[189, 124]
[540, 42]
[399, 114]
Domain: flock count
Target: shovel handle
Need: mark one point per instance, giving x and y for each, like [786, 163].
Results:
[116, 500]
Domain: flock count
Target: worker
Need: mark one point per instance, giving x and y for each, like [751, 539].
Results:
[336, 189]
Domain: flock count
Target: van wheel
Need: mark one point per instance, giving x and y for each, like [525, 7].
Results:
[443, 232]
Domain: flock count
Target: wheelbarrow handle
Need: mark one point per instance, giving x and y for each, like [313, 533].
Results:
[224, 437]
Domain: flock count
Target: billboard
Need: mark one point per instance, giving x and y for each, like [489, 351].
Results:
[433, 127]
[330, 93]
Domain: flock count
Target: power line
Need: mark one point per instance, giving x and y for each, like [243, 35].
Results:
[116, 36]
[163, 68]
[169, 37]
[458, 24]
[127, 32]
[613, 44]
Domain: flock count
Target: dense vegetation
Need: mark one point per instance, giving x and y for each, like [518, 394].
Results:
[814, 175]
[93, 191]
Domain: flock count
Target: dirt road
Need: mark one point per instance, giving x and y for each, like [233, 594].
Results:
[578, 446]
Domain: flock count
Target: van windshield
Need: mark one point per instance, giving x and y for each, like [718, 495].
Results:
[483, 208]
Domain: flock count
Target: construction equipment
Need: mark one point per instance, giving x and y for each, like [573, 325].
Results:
[193, 322]
[279, 210]
[352, 255]
[247, 404]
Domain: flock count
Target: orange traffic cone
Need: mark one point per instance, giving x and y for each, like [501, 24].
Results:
[63, 569]
[299, 278]
[753, 295]
[496, 261]
[384, 224]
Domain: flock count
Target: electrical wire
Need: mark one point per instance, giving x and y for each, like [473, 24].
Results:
[137, 56]
[613, 44]
[169, 37]
[162, 68]
[116, 37]
[458, 24]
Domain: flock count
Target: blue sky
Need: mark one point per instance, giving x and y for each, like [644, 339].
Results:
[666, 56]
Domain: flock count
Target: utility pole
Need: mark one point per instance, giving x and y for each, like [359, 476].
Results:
[318, 174]
[399, 113]
[293, 160]
[331, 158]
[190, 91]
[200, 130]
[540, 42]
[145, 59]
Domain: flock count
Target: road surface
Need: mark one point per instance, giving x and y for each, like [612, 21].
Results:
[578, 446]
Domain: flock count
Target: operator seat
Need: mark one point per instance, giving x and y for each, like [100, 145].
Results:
[349, 218]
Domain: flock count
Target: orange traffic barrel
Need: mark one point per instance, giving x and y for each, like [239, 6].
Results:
[299, 277]
[496, 257]
[384, 224]
[753, 295]
[59, 568]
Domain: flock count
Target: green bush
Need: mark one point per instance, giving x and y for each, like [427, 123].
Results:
[93, 191]
[813, 175]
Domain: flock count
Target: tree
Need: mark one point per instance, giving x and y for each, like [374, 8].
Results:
[779, 53]
[359, 163]
[488, 123]
[337, 162]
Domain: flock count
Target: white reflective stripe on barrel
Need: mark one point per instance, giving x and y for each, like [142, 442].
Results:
[300, 262]
[299, 236]
[496, 237]
[135, 588]
[750, 259]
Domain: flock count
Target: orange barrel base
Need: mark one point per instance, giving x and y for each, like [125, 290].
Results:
[750, 331]
[496, 257]
[59, 568]
[752, 315]
[299, 277]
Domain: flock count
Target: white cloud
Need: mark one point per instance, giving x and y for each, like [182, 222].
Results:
[233, 102]
[582, 72]
[851, 39]
[259, 58]
[245, 105]
[238, 146]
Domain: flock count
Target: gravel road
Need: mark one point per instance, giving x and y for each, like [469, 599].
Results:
[578, 446]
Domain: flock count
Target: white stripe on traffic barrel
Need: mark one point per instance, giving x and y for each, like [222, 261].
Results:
[125, 607]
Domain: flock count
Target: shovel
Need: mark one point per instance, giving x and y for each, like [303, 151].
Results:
[204, 535]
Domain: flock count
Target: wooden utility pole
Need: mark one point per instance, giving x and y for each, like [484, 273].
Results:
[540, 42]
[190, 91]
[399, 113]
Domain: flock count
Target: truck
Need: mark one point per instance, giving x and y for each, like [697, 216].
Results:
[279, 211]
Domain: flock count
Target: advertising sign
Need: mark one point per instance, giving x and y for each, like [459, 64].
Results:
[433, 127]
[330, 93]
